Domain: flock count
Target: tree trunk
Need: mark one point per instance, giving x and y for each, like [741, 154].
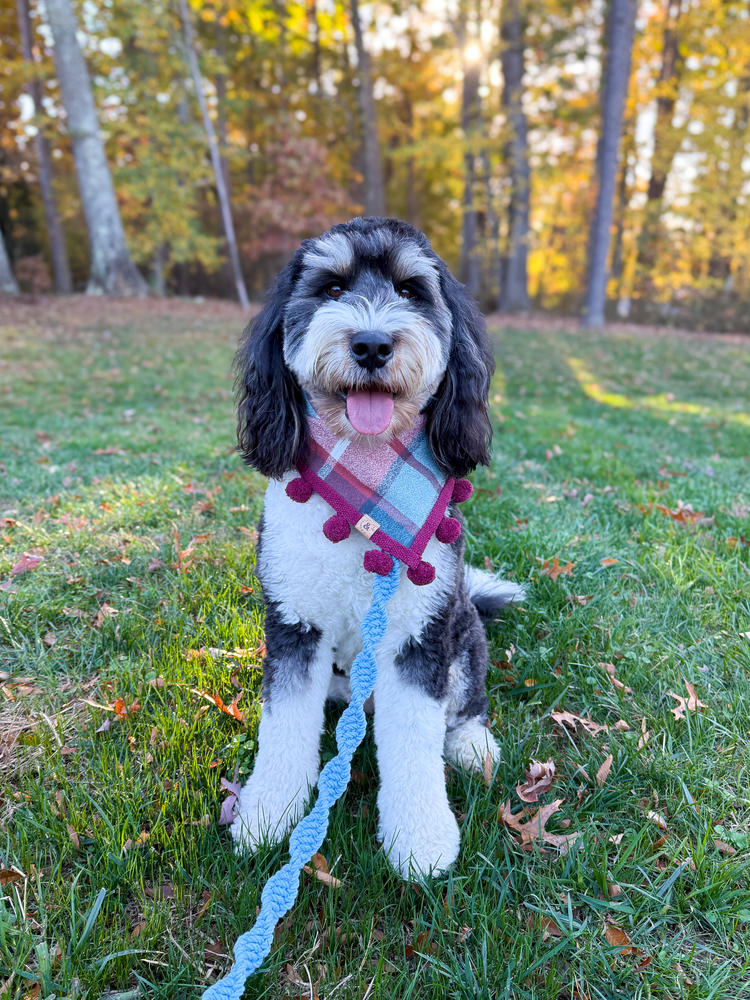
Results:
[8, 284]
[58, 250]
[514, 294]
[665, 145]
[112, 270]
[620, 31]
[213, 146]
[374, 194]
[469, 268]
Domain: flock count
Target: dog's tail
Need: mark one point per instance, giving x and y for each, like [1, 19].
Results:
[490, 594]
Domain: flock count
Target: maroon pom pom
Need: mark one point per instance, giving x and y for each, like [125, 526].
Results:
[448, 530]
[378, 562]
[336, 528]
[299, 490]
[462, 490]
[422, 574]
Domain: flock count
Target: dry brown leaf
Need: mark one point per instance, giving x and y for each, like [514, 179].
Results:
[611, 672]
[231, 709]
[10, 875]
[320, 871]
[487, 769]
[104, 612]
[139, 841]
[608, 561]
[724, 848]
[539, 778]
[603, 773]
[571, 721]
[690, 704]
[645, 735]
[617, 937]
[74, 837]
[535, 827]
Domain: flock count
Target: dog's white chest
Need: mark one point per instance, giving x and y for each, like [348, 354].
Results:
[324, 583]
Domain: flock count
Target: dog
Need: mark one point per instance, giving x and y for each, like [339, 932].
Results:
[368, 307]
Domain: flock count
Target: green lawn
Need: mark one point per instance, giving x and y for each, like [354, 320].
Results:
[117, 452]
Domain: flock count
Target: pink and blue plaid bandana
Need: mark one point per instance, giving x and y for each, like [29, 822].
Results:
[393, 493]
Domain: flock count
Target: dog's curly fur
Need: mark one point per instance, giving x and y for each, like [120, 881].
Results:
[430, 698]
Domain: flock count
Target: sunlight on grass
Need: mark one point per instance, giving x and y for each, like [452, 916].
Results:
[659, 402]
[142, 610]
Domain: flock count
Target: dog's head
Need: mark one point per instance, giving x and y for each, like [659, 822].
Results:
[370, 324]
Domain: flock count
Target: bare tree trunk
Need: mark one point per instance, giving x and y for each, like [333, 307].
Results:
[213, 146]
[58, 250]
[620, 31]
[469, 268]
[8, 284]
[665, 146]
[514, 294]
[374, 192]
[112, 269]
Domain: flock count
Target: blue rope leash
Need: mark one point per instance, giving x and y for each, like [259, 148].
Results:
[281, 890]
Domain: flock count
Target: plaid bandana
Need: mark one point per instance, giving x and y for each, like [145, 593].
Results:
[393, 493]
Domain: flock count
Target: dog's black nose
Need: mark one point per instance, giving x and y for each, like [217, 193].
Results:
[372, 349]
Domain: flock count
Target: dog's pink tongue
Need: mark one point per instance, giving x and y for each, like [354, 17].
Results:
[369, 412]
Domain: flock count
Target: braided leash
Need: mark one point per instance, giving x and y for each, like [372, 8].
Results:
[281, 890]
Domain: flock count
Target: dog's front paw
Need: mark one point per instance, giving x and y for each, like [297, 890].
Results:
[265, 814]
[468, 744]
[420, 842]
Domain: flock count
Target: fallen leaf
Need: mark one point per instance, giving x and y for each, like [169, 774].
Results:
[231, 709]
[74, 837]
[27, 562]
[608, 561]
[320, 871]
[609, 669]
[539, 778]
[644, 737]
[689, 704]
[10, 875]
[582, 599]
[139, 841]
[720, 845]
[603, 773]
[571, 721]
[684, 514]
[554, 569]
[487, 769]
[535, 827]
[657, 819]
[104, 612]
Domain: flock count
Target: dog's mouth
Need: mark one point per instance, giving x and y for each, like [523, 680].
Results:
[370, 411]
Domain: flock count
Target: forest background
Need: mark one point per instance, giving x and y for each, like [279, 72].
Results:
[543, 147]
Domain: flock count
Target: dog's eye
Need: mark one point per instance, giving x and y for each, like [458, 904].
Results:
[334, 290]
[405, 291]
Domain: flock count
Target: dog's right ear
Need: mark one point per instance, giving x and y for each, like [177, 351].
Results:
[270, 404]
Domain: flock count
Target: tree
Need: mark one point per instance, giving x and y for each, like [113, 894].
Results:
[374, 192]
[469, 268]
[7, 282]
[514, 294]
[58, 250]
[213, 146]
[112, 270]
[620, 32]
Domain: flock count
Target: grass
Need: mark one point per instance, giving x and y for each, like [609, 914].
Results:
[117, 438]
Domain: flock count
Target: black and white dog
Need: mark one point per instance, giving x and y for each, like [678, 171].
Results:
[368, 305]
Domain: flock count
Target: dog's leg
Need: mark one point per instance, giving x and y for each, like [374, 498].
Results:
[418, 830]
[296, 675]
[468, 742]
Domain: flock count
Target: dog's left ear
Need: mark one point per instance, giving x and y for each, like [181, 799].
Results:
[458, 423]
[270, 403]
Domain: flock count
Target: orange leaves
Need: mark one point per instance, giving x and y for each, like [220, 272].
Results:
[554, 569]
[608, 561]
[231, 710]
[185, 557]
[690, 704]
[539, 778]
[684, 513]
[617, 938]
[534, 828]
